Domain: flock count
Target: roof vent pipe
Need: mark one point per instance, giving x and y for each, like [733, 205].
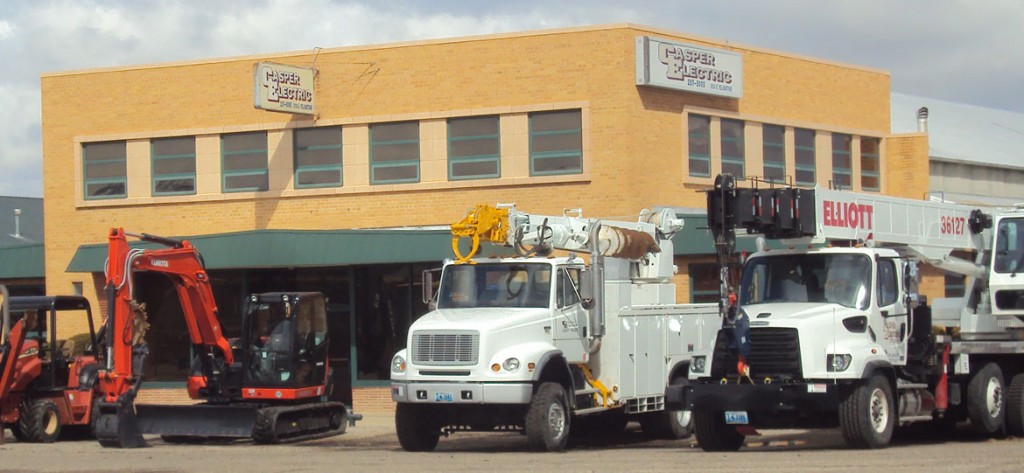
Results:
[17, 223]
[922, 120]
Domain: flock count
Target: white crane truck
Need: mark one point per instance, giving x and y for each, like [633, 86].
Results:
[831, 332]
[521, 343]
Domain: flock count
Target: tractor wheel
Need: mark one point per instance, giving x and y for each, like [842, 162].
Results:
[670, 425]
[713, 434]
[94, 415]
[40, 421]
[1015, 406]
[986, 405]
[18, 434]
[417, 427]
[548, 418]
[867, 415]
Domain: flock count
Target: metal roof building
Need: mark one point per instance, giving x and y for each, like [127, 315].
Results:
[975, 153]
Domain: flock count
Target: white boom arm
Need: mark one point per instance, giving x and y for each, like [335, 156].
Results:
[505, 225]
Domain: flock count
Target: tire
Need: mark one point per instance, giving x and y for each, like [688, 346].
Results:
[18, 434]
[40, 421]
[94, 414]
[670, 425]
[548, 418]
[867, 415]
[417, 427]
[986, 404]
[713, 434]
[1015, 406]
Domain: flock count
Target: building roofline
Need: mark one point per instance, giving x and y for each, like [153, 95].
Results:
[719, 43]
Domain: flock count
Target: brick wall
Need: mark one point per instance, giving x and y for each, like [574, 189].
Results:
[373, 401]
[634, 138]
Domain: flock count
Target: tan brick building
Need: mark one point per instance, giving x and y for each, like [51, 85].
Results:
[412, 135]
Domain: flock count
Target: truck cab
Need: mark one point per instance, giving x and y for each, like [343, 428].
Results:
[523, 312]
[794, 293]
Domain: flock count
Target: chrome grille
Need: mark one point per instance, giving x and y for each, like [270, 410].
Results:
[449, 348]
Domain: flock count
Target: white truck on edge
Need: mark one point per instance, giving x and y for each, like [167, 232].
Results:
[838, 336]
[540, 344]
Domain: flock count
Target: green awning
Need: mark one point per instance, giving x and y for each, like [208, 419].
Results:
[22, 261]
[323, 248]
[695, 237]
[297, 248]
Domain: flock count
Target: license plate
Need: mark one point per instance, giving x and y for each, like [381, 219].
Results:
[736, 417]
[444, 397]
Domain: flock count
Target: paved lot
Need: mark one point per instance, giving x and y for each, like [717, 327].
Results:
[372, 446]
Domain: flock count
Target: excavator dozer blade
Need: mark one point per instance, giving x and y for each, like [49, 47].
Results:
[197, 422]
[118, 427]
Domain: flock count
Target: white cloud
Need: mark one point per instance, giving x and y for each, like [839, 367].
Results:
[958, 50]
[6, 30]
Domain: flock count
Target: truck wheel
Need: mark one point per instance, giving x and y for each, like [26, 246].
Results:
[713, 434]
[417, 428]
[866, 415]
[547, 420]
[40, 421]
[671, 425]
[985, 404]
[1015, 406]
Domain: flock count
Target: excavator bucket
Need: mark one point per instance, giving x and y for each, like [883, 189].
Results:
[118, 426]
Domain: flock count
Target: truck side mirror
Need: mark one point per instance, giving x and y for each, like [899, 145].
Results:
[586, 288]
[428, 286]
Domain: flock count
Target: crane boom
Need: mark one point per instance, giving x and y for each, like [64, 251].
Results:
[540, 234]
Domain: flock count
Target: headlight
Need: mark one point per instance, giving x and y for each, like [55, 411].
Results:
[398, 364]
[697, 364]
[511, 364]
[838, 363]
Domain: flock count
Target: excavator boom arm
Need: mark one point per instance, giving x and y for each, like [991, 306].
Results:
[183, 265]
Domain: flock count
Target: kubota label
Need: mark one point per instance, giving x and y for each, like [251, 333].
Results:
[847, 215]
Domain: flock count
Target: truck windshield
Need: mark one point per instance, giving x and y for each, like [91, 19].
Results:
[1009, 256]
[839, 278]
[495, 285]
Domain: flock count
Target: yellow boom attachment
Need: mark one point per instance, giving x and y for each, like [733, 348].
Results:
[483, 221]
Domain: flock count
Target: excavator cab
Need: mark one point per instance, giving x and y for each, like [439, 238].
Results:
[284, 340]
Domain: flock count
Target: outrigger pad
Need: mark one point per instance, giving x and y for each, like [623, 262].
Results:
[118, 426]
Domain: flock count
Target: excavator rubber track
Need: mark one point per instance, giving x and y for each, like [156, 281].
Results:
[287, 424]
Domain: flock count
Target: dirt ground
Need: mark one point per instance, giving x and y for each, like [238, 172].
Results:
[372, 446]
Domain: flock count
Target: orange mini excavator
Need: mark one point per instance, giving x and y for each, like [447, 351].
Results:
[270, 384]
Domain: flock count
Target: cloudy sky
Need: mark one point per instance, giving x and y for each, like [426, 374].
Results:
[969, 51]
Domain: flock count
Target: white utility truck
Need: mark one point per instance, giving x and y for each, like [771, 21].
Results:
[539, 343]
[831, 331]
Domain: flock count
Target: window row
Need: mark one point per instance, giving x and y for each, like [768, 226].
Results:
[731, 138]
[474, 152]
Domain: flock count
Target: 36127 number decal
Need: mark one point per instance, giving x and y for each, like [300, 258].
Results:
[952, 225]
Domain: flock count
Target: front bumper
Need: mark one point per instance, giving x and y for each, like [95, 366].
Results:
[461, 393]
[754, 397]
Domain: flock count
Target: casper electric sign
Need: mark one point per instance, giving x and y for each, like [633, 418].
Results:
[281, 88]
[677, 66]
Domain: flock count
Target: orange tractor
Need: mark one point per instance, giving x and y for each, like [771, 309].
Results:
[46, 387]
